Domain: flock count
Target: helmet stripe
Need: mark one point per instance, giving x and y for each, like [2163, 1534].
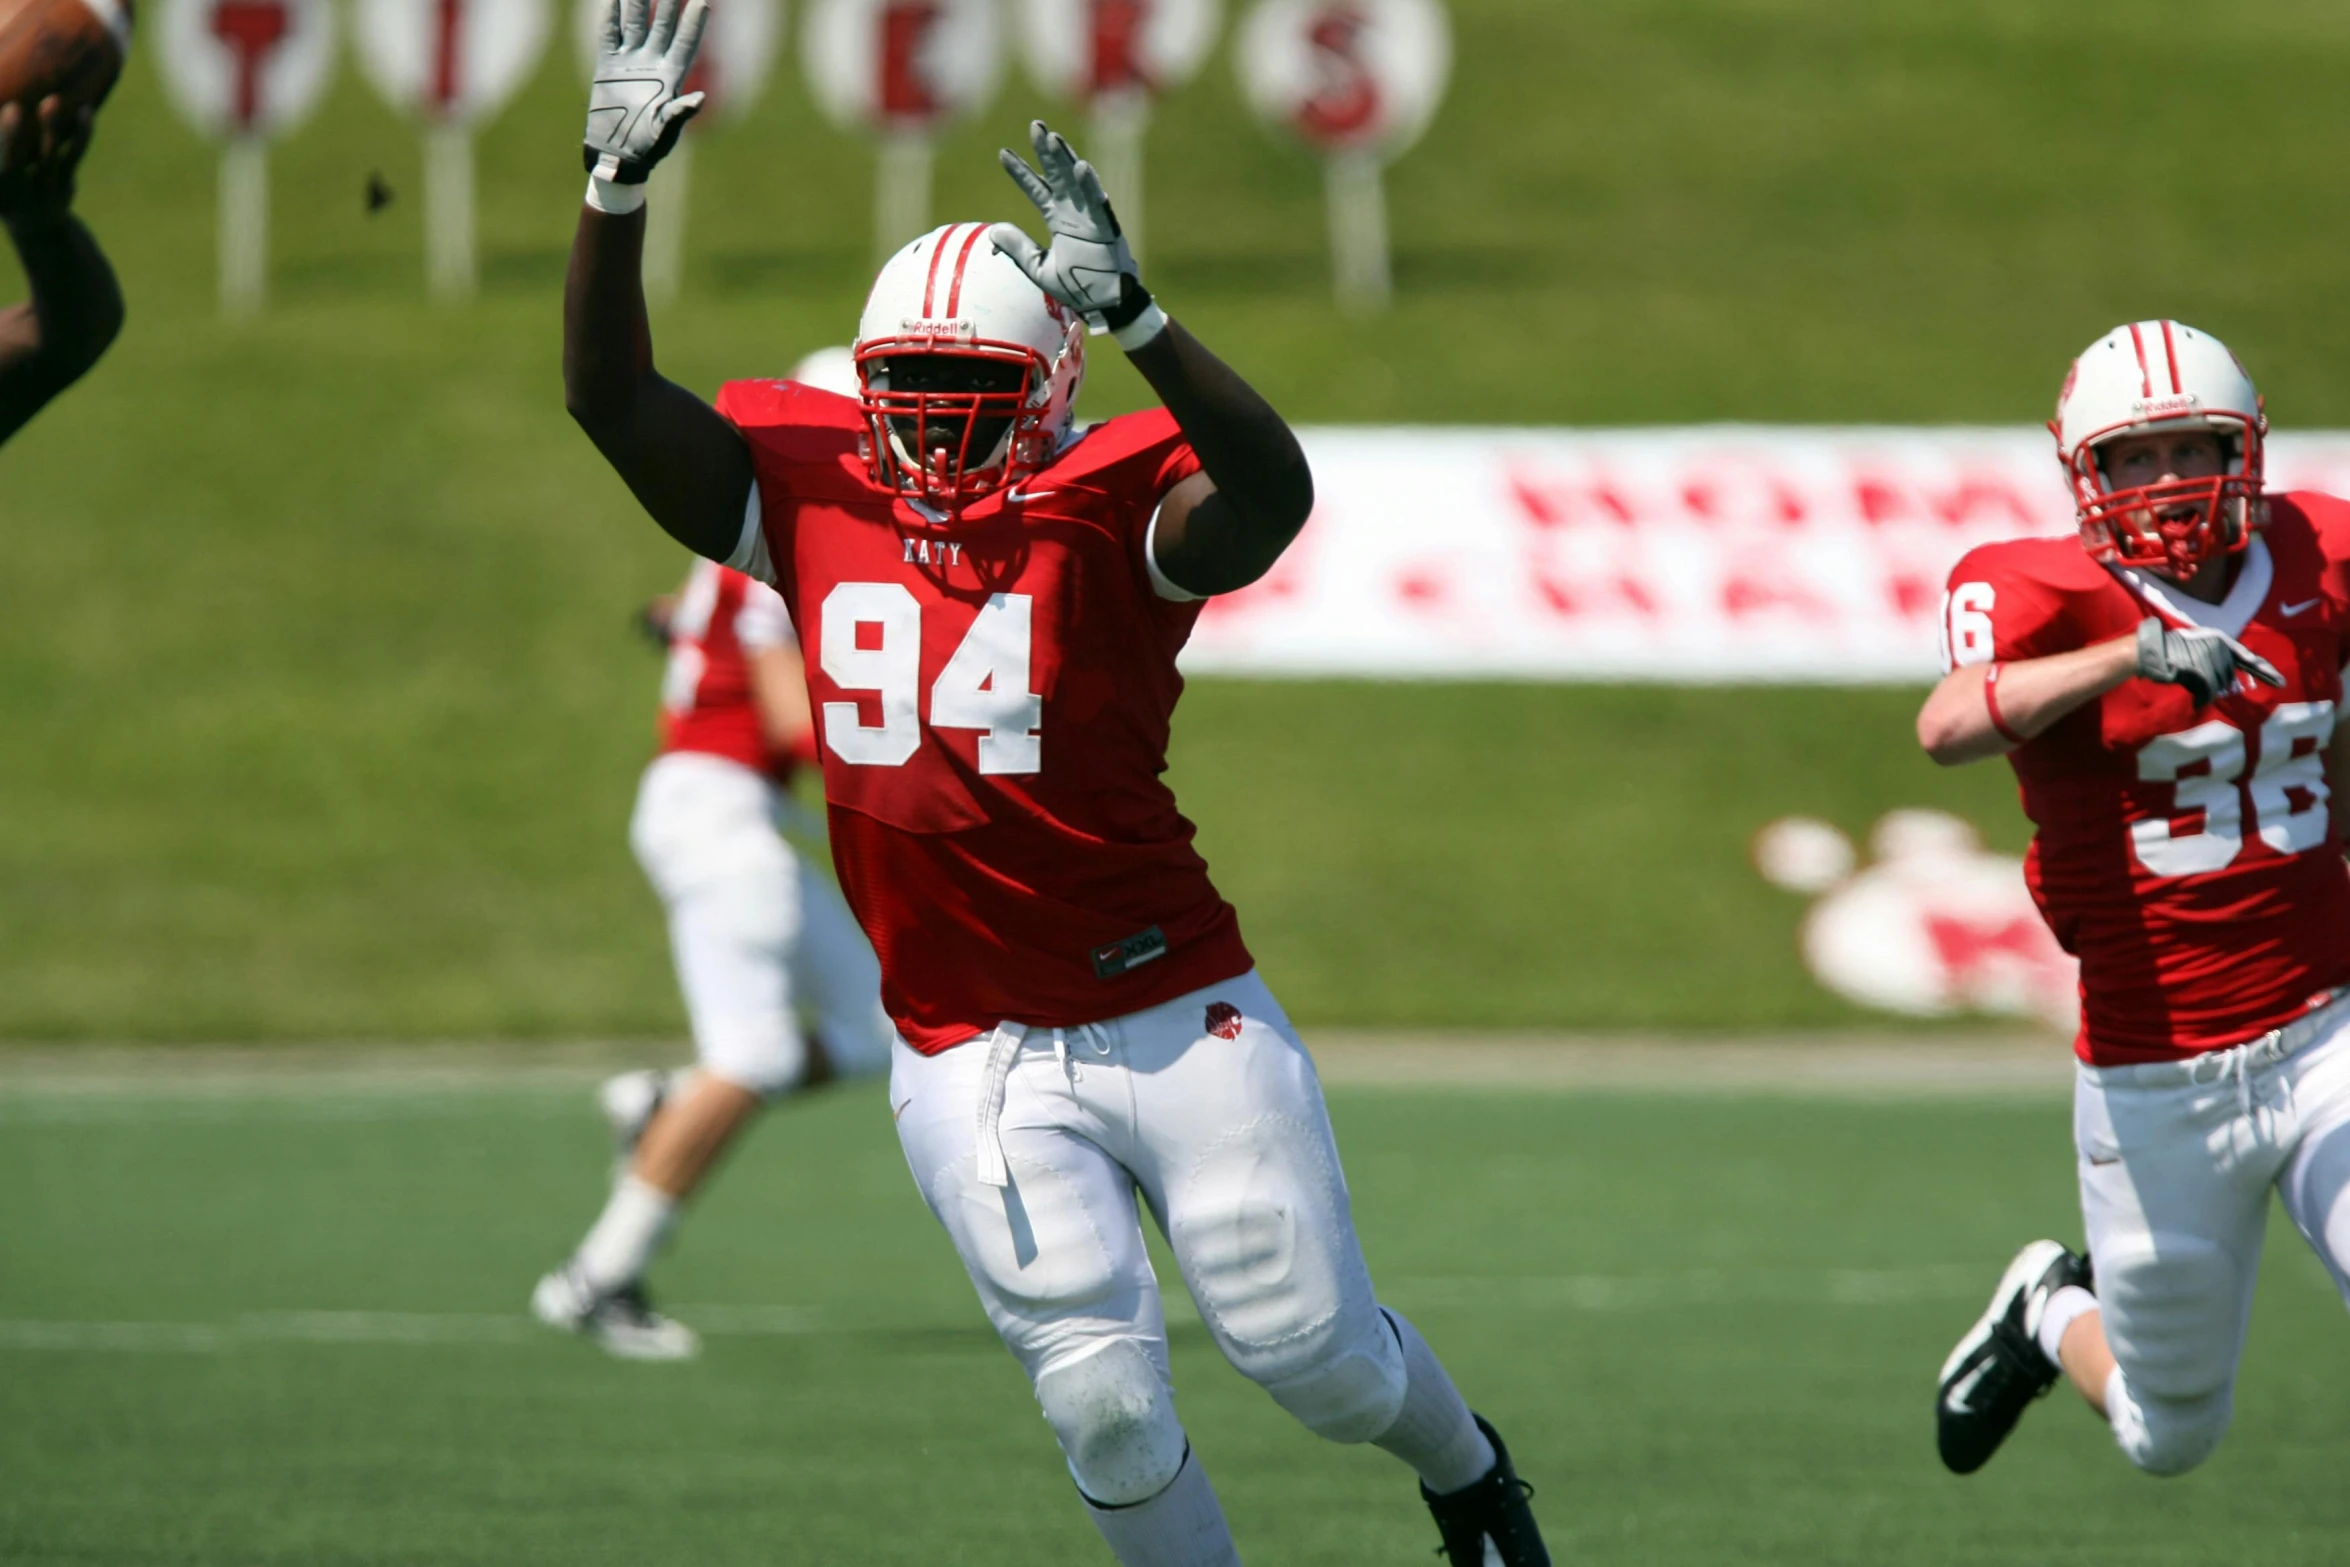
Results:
[963, 262]
[2145, 371]
[930, 285]
[2170, 349]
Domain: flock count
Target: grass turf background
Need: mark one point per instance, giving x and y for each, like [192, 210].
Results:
[1705, 1339]
[317, 711]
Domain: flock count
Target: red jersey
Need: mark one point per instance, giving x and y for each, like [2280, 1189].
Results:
[706, 702]
[993, 700]
[2186, 856]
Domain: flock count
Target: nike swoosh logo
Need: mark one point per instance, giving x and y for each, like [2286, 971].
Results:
[899, 1110]
[1959, 1399]
[1019, 499]
[2290, 610]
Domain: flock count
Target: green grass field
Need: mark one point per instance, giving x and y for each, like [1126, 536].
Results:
[317, 712]
[286, 1328]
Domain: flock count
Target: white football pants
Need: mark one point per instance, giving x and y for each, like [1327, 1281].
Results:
[761, 940]
[2177, 1160]
[1030, 1147]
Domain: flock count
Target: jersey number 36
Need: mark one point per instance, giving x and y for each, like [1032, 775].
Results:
[871, 640]
[2204, 764]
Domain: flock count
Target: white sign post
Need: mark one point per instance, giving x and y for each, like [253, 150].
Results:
[737, 58]
[901, 69]
[1358, 81]
[454, 64]
[244, 71]
[1116, 57]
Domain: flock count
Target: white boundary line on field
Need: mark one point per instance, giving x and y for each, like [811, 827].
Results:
[67, 1083]
[1706, 1287]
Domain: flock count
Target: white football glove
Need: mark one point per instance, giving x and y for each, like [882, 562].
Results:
[2202, 662]
[1090, 268]
[635, 115]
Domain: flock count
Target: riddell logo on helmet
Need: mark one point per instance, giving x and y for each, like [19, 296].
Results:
[960, 331]
[2167, 407]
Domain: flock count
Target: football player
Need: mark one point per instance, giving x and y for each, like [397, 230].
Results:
[2168, 697]
[52, 340]
[759, 937]
[992, 600]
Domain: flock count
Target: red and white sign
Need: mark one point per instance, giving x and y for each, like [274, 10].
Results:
[1088, 50]
[1347, 76]
[1937, 926]
[246, 67]
[1712, 554]
[902, 66]
[737, 57]
[455, 62]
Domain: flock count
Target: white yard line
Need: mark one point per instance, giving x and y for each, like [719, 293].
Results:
[358, 1081]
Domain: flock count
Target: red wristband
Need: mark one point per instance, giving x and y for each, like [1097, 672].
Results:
[1991, 705]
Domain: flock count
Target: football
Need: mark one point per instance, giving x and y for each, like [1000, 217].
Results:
[70, 49]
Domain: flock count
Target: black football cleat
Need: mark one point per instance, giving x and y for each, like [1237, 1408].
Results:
[1999, 1368]
[1489, 1524]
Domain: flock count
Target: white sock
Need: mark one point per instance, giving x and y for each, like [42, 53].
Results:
[2064, 1308]
[1182, 1526]
[1435, 1433]
[621, 1245]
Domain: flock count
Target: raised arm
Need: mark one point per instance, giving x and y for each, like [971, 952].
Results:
[1225, 527]
[76, 310]
[684, 462]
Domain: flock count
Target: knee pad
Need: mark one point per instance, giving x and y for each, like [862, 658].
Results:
[1115, 1419]
[2168, 1436]
[1353, 1392]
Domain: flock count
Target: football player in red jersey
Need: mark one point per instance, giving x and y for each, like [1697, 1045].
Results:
[760, 939]
[2167, 697]
[992, 600]
[51, 341]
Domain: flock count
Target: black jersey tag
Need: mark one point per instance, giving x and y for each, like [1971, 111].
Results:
[1120, 956]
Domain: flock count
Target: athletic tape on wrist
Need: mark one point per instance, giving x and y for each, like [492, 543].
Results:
[1991, 705]
[1142, 329]
[613, 197]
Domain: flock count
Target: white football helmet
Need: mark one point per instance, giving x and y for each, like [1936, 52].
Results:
[2143, 379]
[969, 372]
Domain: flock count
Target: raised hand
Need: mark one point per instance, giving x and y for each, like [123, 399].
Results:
[2202, 662]
[37, 166]
[635, 110]
[1089, 267]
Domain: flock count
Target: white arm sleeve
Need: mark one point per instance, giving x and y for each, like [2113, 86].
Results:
[750, 552]
[764, 621]
[1160, 582]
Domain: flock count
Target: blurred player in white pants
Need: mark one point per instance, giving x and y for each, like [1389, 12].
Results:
[781, 988]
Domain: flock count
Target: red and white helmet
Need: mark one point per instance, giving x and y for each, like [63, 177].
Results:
[2148, 378]
[968, 371]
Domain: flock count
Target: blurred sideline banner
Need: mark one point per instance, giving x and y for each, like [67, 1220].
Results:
[1702, 555]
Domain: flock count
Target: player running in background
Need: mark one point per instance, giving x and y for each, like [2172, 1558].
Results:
[992, 601]
[759, 936]
[52, 340]
[2168, 699]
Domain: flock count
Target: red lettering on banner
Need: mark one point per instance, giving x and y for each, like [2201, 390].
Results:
[1422, 587]
[1345, 100]
[1980, 498]
[1617, 596]
[1555, 503]
[1914, 598]
[448, 43]
[252, 29]
[1707, 497]
[905, 86]
[1117, 46]
[1746, 594]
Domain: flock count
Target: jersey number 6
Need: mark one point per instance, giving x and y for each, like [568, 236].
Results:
[871, 640]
